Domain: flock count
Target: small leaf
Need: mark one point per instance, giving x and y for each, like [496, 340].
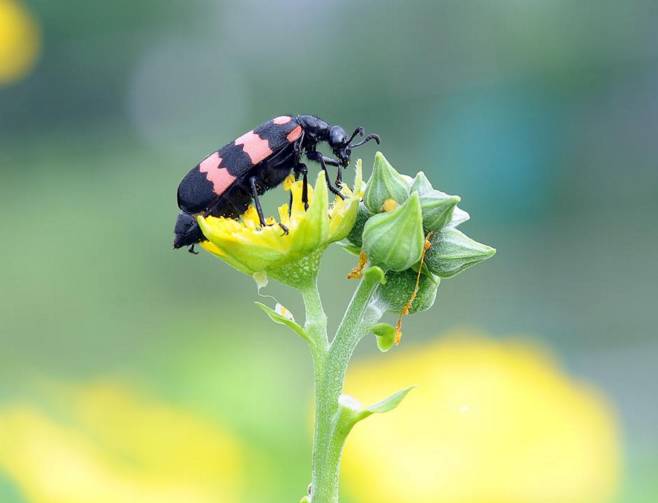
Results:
[387, 404]
[385, 334]
[374, 273]
[283, 320]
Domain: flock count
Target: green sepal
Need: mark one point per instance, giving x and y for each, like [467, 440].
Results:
[437, 208]
[452, 252]
[458, 217]
[399, 287]
[421, 184]
[282, 320]
[385, 335]
[385, 183]
[394, 240]
[349, 247]
[355, 237]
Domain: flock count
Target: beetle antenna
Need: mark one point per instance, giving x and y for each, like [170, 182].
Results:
[371, 136]
[357, 131]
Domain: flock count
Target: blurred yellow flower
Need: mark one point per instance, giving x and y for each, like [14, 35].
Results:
[490, 422]
[247, 247]
[19, 41]
[112, 445]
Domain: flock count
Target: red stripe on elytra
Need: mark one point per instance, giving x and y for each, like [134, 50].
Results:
[254, 146]
[220, 178]
[294, 134]
[284, 119]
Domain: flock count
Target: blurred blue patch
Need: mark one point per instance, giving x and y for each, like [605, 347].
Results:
[498, 148]
[8, 491]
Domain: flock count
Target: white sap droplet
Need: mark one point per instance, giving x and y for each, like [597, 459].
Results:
[349, 402]
[261, 279]
[282, 310]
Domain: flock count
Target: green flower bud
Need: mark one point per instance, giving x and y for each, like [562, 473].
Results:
[385, 183]
[458, 217]
[399, 288]
[394, 240]
[437, 209]
[421, 184]
[355, 235]
[452, 252]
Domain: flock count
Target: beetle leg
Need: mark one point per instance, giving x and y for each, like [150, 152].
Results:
[254, 195]
[330, 162]
[192, 250]
[317, 156]
[339, 177]
[300, 169]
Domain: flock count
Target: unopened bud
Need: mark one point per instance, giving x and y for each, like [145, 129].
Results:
[385, 183]
[394, 240]
[437, 209]
[452, 252]
[400, 286]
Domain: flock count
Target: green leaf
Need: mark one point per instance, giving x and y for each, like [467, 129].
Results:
[374, 273]
[385, 334]
[387, 404]
[282, 320]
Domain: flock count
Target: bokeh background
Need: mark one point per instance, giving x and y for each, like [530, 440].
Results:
[130, 372]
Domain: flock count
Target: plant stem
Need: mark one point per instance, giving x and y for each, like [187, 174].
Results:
[330, 365]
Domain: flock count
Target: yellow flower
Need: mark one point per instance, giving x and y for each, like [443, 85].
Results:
[489, 422]
[109, 444]
[19, 41]
[291, 258]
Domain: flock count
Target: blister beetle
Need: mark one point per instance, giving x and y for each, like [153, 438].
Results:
[225, 182]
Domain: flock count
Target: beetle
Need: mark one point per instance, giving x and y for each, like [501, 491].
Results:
[226, 181]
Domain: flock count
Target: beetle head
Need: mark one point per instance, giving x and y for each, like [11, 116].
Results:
[342, 145]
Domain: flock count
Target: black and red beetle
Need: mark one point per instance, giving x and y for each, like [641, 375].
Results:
[226, 181]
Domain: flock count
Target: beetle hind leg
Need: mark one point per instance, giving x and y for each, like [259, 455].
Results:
[254, 195]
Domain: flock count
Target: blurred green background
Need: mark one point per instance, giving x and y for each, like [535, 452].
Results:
[542, 115]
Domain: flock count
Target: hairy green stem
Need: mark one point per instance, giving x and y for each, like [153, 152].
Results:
[330, 365]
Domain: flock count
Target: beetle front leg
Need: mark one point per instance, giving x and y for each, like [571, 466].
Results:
[339, 171]
[317, 156]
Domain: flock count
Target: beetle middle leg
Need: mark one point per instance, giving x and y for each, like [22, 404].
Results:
[259, 208]
[302, 170]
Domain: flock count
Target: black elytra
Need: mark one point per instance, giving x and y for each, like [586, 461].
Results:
[226, 181]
